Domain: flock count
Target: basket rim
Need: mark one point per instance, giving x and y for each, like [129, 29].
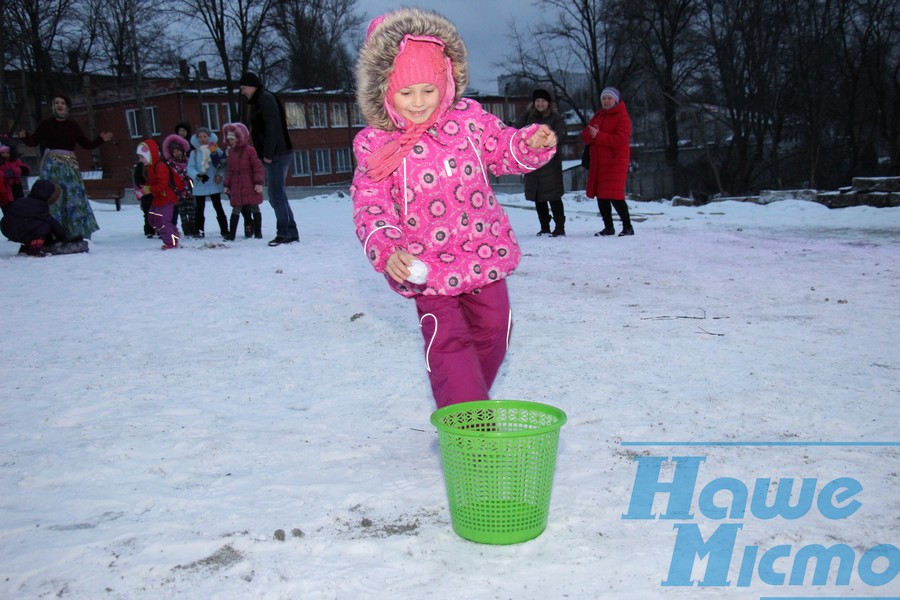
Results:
[440, 413]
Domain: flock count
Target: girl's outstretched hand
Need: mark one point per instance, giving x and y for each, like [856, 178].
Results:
[544, 137]
[398, 265]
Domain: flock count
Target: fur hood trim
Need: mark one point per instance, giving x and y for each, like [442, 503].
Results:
[174, 138]
[195, 141]
[240, 130]
[376, 59]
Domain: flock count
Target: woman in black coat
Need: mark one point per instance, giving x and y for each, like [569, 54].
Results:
[544, 186]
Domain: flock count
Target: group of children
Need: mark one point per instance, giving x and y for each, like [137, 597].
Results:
[176, 181]
[169, 183]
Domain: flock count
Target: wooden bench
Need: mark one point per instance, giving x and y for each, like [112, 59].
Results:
[106, 189]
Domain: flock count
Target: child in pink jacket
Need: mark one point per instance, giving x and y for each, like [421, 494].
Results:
[424, 211]
[243, 181]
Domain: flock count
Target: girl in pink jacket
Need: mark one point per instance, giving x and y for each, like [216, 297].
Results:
[424, 211]
[243, 181]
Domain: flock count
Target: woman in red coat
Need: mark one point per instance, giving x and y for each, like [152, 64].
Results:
[608, 134]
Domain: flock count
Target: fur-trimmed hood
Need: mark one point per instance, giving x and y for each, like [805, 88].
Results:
[376, 59]
[240, 131]
[174, 138]
[195, 141]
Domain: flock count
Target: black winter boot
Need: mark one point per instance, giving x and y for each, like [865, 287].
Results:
[257, 225]
[560, 229]
[230, 234]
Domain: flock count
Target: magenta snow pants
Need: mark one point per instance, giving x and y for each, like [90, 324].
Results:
[466, 338]
[160, 218]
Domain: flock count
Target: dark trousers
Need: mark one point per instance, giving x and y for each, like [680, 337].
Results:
[200, 219]
[545, 208]
[621, 207]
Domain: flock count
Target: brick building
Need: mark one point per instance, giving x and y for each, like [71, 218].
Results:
[322, 125]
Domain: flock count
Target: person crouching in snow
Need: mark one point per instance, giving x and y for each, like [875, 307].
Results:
[243, 181]
[28, 221]
[175, 150]
[422, 205]
[162, 197]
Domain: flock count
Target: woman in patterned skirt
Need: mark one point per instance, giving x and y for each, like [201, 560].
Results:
[59, 135]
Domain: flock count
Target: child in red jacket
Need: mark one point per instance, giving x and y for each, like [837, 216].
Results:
[12, 170]
[243, 180]
[162, 197]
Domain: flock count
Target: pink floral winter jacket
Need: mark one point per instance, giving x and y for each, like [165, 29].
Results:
[439, 206]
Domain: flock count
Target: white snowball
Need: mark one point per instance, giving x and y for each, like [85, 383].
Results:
[418, 273]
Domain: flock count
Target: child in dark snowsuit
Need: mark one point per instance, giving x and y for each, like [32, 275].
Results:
[140, 180]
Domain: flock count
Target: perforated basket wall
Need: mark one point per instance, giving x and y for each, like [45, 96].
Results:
[499, 457]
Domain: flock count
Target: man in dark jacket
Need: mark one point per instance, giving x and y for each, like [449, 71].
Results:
[28, 220]
[268, 130]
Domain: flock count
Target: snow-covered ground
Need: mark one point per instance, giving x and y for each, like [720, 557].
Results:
[166, 417]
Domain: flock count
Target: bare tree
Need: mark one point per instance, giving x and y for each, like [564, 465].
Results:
[315, 35]
[34, 26]
[665, 35]
[747, 79]
[883, 69]
[235, 27]
[814, 29]
[870, 88]
[578, 38]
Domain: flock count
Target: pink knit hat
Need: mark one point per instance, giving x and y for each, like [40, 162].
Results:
[419, 61]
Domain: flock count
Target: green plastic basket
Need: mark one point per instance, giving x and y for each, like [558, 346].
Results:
[499, 457]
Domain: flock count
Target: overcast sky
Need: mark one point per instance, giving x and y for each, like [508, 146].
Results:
[483, 24]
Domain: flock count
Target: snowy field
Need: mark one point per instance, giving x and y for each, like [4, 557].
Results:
[240, 421]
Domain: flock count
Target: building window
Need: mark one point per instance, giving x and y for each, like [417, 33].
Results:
[323, 161]
[293, 112]
[318, 116]
[358, 119]
[301, 163]
[343, 160]
[496, 110]
[209, 116]
[510, 112]
[134, 126]
[9, 95]
[226, 112]
[339, 115]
